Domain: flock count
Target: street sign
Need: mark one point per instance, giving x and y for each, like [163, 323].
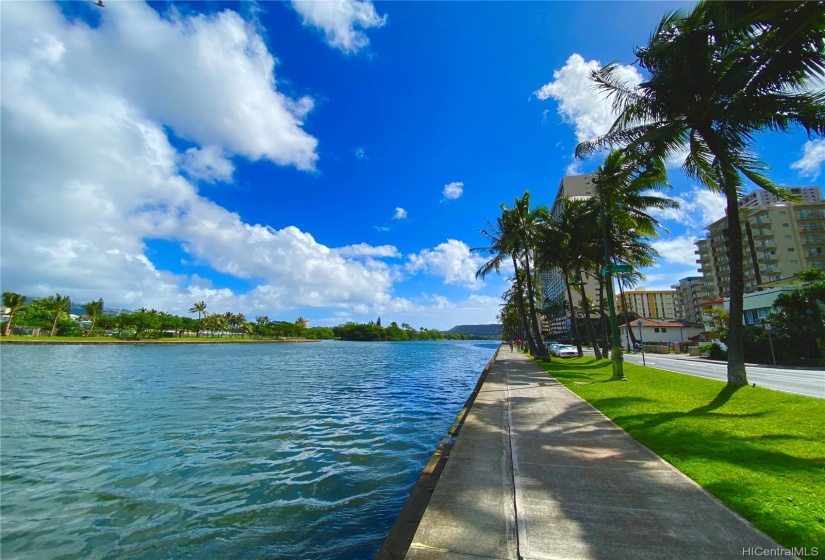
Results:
[768, 326]
[621, 268]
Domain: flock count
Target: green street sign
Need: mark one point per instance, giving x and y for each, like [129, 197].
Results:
[621, 268]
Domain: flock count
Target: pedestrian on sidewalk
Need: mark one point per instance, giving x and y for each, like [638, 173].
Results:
[518, 344]
[511, 345]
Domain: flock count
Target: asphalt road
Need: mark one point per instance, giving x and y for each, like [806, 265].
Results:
[806, 382]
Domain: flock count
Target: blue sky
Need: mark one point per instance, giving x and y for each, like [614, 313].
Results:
[334, 160]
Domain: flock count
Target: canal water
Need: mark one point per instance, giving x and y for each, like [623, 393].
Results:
[220, 451]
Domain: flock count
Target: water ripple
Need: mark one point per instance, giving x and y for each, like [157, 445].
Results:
[220, 451]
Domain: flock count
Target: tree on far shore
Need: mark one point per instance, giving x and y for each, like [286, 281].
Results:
[58, 305]
[199, 307]
[94, 309]
[15, 302]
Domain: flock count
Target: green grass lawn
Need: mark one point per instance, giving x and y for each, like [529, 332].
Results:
[760, 451]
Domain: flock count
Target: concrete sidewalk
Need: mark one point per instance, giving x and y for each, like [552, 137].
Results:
[539, 473]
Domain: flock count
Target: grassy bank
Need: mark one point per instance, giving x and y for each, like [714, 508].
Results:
[760, 451]
[13, 339]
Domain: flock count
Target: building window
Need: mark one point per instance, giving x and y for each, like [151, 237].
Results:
[664, 330]
[785, 225]
[656, 329]
[790, 249]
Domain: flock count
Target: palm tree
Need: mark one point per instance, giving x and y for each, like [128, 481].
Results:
[94, 309]
[525, 223]
[199, 307]
[501, 246]
[515, 236]
[625, 187]
[14, 302]
[717, 76]
[57, 305]
[562, 243]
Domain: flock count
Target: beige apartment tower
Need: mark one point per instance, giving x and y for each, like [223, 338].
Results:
[653, 304]
[779, 240]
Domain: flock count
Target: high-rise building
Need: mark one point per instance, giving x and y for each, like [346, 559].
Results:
[654, 304]
[689, 292]
[779, 240]
[761, 197]
[555, 292]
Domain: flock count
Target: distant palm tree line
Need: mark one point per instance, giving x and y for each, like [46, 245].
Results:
[717, 75]
[52, 312]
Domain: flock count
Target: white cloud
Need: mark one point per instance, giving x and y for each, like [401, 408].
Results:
[364, 250]
[340, 21]
[360, 153]
[810, 164]
[580, 104]
[453, 190]
[698, 208]
[575, 167]
[89, 174]
[676, 250]
[400, 214]
[174, 69]
[451, 260]
[207, 164]
[431, 311]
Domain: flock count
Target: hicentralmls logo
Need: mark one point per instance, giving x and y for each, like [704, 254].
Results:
[801, 552]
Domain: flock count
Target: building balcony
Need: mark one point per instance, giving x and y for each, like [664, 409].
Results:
[762, 233]
[812, 240]
[768, 259]
[812, 227]
[811, 214]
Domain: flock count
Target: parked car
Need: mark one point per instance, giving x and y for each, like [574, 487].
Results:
[566, 351]
[551, 347]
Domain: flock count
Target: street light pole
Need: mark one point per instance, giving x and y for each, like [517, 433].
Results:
[768, 329]
[615, 341]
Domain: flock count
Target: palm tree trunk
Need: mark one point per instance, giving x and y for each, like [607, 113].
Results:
[525, 323]
[626, 319]
[91, 328]
[54, 324]
[603, 318]
[540, 351]
[737, 376]
[588, 325]
[520, 294]
[8, 325]
[576, 337]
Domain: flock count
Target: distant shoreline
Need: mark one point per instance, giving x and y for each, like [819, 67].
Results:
[57, 341]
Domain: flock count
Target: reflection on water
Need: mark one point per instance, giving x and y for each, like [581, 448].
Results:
[220, 451]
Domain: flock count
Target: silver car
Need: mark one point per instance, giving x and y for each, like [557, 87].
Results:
[567, 351]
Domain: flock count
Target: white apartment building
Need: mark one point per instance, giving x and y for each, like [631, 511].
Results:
[574, 186]
[688, 295]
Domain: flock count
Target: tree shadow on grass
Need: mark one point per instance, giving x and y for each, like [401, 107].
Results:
[610, 402]
[646, 421]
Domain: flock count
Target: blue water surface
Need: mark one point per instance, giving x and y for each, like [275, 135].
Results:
[301, 450]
